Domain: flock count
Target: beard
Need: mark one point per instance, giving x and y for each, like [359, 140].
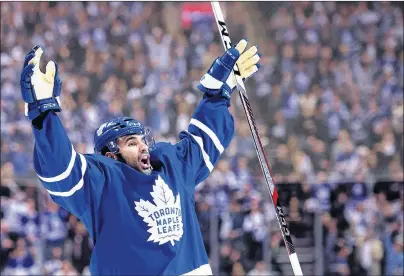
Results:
[138, 167]
[146, 171]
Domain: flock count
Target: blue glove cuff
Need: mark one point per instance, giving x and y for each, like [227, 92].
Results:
[224, 91]
[37, 108]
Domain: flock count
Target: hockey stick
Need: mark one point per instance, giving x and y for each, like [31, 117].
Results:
[224, 34]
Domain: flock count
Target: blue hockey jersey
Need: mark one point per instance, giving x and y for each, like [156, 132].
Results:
[142, 224]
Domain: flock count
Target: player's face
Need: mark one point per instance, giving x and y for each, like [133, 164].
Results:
[135, 152]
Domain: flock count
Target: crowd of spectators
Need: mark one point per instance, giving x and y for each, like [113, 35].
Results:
[328, 101]
[334, 85]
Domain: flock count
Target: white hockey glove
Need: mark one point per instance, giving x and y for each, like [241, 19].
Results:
[219, 78]
[40, 91]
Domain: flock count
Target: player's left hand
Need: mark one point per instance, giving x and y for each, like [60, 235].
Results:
[219, 77]
[247, 63]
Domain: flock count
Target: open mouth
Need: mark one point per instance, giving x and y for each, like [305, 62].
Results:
[145, 161]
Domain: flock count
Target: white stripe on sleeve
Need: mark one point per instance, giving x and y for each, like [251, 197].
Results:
[209, 132]
[79, 185]
[64, 174]
[204, 154]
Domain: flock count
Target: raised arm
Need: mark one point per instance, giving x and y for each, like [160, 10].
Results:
[73, 180]
[212, 126]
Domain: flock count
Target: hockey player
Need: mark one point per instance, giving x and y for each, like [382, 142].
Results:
[135, 197]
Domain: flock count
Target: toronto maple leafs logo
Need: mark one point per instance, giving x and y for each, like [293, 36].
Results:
[164, 216]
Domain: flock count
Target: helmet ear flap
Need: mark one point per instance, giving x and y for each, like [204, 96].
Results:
[113, 147]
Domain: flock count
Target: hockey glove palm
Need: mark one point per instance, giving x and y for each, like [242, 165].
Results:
[40, 91]
[219, 78]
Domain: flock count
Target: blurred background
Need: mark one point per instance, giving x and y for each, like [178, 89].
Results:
[328, 101]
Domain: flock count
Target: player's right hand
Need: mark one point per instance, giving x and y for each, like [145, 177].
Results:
[39, 91]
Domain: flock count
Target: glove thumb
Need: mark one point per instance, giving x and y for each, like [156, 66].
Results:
[241, 46]
[50, 72]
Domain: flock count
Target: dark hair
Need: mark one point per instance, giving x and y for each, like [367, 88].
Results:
[104, 150]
